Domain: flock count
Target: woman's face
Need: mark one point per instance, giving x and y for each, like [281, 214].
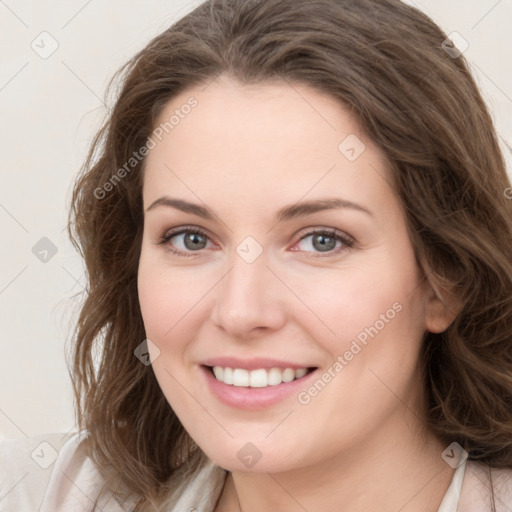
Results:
[273, 239]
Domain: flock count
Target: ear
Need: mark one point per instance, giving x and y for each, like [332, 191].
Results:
[441, 309]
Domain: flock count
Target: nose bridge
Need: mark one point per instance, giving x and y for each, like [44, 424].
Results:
[244, 300]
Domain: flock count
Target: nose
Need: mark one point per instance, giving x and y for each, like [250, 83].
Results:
[249, 299]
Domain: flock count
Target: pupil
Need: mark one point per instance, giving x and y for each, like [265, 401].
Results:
[325, 242]
[195, 241]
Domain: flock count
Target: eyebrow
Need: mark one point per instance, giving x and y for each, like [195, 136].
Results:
[286, 213]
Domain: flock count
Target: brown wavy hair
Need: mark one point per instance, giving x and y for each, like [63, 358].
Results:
[384, 60]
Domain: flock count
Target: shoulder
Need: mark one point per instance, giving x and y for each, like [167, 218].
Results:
[48, 473]
[482, 483]
[25, 469]
[53, 473]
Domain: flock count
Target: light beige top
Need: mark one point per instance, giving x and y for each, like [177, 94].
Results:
[52, 473]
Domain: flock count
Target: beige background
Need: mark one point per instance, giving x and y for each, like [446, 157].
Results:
[50, 108]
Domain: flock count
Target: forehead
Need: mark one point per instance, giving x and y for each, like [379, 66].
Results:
[272, 141]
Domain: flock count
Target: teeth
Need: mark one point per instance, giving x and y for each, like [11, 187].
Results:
[274, 377]
[219, 373]
[260, 378]
[288, 375]
[257, 378]
[300, 373]
[240, 377]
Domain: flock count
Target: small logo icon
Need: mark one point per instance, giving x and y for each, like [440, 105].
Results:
[45, 45]
[44, 455]
[249, 249]
[44, 250]
[454, 455]
[508, 193]
[455, 45]
[249, 455]
[147, 352]
[351, 147]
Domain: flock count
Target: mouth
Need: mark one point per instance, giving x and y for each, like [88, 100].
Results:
[257, 378]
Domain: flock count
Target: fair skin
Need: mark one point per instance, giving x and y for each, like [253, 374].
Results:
[244, 152]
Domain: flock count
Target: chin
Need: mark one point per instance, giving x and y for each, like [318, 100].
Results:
[247, 457]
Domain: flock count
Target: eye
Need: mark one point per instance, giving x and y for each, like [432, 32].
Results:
[324, 241]
[185, 240]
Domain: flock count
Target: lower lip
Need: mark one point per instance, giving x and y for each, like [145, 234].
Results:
[253, 398]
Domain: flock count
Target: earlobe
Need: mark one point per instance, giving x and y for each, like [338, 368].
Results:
[442, 302]
[440, 312]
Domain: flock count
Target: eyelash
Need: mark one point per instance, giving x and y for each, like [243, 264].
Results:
[331, 233]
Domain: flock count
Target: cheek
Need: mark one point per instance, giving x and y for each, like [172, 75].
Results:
[348, 302]
[173, 308]
[154, 300]
[165, 295]
[375, 318]
[164, 310]
[161, 306]
[377, 324]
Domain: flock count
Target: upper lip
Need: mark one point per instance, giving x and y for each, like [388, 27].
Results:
[253, 364]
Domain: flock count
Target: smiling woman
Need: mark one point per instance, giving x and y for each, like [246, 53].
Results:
[301, 293]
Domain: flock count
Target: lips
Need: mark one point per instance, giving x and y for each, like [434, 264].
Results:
[253, 398]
